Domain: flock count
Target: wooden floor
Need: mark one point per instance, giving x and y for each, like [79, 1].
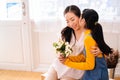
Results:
[22, 75]
[19, 75]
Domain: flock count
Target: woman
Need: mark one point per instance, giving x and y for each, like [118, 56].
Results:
[96, 68]
[74, 34]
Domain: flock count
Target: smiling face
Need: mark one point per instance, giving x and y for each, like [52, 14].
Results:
[72, 20]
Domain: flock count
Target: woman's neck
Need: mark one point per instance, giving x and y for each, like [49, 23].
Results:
[78, 33]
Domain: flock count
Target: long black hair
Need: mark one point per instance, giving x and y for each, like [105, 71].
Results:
[91, 17]
[66, 33]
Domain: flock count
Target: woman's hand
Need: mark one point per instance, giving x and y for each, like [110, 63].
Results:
[96, 51]
[61, 58]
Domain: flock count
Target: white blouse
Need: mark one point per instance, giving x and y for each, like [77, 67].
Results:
[64, 71]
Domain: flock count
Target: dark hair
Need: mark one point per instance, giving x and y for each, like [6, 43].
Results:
[91, 17]
[66, 33]
[74, 9]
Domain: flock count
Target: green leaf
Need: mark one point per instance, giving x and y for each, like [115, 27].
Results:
[55, 44]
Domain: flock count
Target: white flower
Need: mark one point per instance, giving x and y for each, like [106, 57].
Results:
[62, 47]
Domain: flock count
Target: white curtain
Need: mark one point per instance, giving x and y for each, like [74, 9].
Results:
[48, 14]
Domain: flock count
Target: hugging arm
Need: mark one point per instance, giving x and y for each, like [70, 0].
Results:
[89, 58]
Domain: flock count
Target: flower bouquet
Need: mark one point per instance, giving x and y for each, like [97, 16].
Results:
[63, 48]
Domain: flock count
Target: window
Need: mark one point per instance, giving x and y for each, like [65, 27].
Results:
[10, 10]
[51, 11]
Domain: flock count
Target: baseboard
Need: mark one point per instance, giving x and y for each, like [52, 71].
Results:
[21, 67]
[41, 68]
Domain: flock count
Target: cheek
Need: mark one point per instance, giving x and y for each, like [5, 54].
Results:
[77, 21]
[68, 25]
[81, 23]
